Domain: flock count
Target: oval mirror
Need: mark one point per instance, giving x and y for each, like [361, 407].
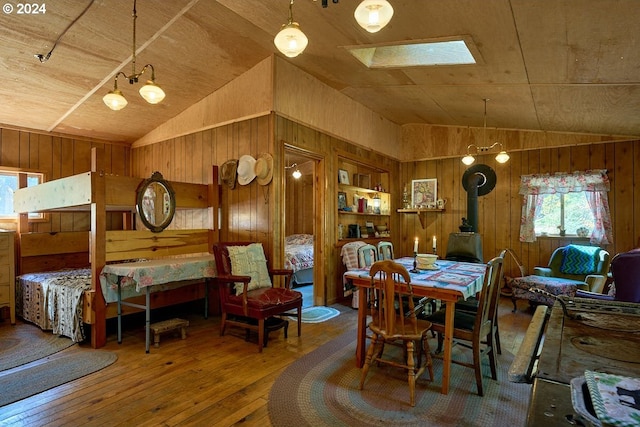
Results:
[156, 203]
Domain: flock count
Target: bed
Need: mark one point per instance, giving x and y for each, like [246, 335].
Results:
[298, 255]
[49, 303]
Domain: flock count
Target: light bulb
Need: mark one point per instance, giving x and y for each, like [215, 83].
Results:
[296, 174]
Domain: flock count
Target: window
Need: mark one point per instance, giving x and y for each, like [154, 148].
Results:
[8, 185]
[562, 203]
[567, 212]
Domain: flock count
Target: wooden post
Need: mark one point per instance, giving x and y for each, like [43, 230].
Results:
[97, 246]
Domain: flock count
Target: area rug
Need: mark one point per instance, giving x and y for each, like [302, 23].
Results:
[321, 389]
[59, 370]
[318, 314]
[24, 343]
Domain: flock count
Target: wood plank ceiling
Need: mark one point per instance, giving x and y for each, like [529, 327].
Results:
[553, 65]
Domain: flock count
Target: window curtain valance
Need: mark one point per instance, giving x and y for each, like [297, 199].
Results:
[595, 183]
[591, 181]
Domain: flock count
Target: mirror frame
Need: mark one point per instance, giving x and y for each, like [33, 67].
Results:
[156, 177]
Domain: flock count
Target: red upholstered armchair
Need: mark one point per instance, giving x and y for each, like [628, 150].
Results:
[247, 296]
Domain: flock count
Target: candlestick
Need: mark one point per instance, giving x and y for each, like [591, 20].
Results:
[415, 246]
[415, 261]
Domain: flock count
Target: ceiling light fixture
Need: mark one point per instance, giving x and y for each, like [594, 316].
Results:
[501, 157]
[373, 15]
[151, 92]
[291, 41]
[296, 174]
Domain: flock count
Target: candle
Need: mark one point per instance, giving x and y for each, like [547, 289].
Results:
[415, 246]
[434, 243]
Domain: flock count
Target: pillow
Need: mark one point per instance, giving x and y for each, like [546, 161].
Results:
[580, 259]
[249, 261]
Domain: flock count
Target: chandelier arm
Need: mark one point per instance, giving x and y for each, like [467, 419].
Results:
[290, 12]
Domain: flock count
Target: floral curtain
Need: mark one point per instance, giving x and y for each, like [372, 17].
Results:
[594, 182]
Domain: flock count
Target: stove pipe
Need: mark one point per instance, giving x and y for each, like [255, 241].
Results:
[472, 201]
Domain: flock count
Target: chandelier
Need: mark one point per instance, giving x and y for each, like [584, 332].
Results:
[151, 92]
[501, 157]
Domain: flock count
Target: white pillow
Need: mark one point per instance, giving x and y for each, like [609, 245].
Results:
[249, 261]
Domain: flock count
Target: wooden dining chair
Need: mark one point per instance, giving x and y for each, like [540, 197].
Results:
[475, 330]
[248, 298]
[390, 327]
[385, 250]
[471, 305]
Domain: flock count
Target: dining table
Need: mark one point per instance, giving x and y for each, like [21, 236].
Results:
[447, 281]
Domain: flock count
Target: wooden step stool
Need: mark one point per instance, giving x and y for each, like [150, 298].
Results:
[166, 326]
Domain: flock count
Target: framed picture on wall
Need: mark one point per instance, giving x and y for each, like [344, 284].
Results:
[343, 176]
[342, 200]
[424, 193]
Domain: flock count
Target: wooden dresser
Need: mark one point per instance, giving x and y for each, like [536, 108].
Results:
[8, 273]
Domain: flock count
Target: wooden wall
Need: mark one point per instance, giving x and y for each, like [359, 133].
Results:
[59, 156]
[499, 211]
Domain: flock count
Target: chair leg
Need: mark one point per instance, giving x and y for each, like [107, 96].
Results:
[223, 323]
[498, 348]
[260, 335]
[411, 372]
[299, 320]
[477, 366]
[367, 360]
[428, 360]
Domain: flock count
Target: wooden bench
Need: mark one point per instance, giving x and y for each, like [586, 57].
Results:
[166, 326]
[523, 367]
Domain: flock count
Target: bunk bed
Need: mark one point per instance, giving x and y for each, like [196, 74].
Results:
[90, 251]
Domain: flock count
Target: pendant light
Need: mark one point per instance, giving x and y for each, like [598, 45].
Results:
[373, 15]
[291, 41]
[151, 92]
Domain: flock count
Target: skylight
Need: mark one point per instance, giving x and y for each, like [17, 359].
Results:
[450, 52]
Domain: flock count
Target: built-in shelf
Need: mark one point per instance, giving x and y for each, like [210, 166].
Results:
[360, 213]
[422, 214]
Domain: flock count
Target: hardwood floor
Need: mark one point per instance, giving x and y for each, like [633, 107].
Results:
[203, 380]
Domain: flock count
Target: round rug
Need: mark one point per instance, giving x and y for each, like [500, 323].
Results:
[23, 343]
[318, 314]
[321, 389]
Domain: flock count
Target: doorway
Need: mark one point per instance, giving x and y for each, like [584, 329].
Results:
[302, 225]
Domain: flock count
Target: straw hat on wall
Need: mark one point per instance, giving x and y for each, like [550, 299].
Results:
[246, 169]
[264, 168]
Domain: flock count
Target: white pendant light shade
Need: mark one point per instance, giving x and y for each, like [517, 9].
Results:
[373, 15]
[502, 157]
[152, 93]
[115, 100]
[296, 174]
[468, 159]
[291, 41]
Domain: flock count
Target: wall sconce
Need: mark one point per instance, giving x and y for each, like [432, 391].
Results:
[296, 174]
[151, 92]
[501, 157]
[373, 15]
[291, 41]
